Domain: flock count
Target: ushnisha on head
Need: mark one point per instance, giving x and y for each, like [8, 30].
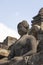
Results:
[23, 27]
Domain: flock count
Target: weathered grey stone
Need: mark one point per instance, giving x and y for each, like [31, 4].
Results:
[35, 59]
[26, 44]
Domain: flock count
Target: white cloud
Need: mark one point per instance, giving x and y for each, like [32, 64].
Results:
[6, 31]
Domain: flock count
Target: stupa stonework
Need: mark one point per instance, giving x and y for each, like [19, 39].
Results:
[38, 19]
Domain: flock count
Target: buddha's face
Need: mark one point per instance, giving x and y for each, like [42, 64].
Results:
[21, 31]
[22, 28]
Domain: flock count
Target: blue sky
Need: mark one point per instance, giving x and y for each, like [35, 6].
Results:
[14, 11]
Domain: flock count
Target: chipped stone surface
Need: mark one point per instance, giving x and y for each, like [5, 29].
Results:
[36, 59]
